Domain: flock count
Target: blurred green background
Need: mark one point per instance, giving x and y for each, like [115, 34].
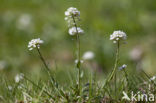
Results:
[23, 20]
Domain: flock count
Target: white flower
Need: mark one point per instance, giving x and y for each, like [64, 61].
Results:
[76, 61]
[10, 87]
[19, 77]
[24, 21]
[71, 16]
[118, 35]
[35, 43]
[136, 54]
[123, 67]
[72, 12]
[20, 86]
[73, 31]
[153, 78]
[88, 55]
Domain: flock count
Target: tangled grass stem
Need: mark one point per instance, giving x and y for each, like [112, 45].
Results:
[38, 87]
[149, 78]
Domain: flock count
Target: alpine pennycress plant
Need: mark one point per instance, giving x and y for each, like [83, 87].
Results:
[93, 91]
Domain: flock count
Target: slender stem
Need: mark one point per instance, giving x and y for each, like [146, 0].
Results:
[78, 53]
[126, 75]
[46, 66]
[41, 57]
[115, 67]
[115, 83]
[116, 63]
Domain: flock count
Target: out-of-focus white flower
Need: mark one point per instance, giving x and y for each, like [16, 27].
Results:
[19, 77]
[27, 98]
[72, 12]
[118, 35]
[136, 54]
[123, 67]
[35, 43]
[73, 31]
[20, 86]
[3, 65]
[76, 61]
[153, 78]
[88, 55]
[10, 87]
[24, 21]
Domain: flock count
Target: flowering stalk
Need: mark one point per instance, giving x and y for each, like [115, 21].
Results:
[78, 52]
[35, 43]
[72, 16]
[117, 36]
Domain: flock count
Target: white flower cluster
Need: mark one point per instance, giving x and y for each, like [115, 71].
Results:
[35, 43]
[74, 31]
[88, 55]
[24, 22]
[72, 16]
[118, 35]
[19, 77]
[10, 87]
[123, 67]
[72, 12]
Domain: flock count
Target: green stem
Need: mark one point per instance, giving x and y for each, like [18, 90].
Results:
[78, 54]
[116, 63]
[126, 75]
[47, 69]
[115, 67]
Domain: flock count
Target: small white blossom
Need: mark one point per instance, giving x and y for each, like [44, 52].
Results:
[72, 12]
[123, 67]
[19, 77]
[24, 21]
[88, 55]
[71, 15]
[153, 78]
[35, 43]
[136, 54]
[118, 35]
[10, 87]
[20, 86]
[76, 61]
[73, 31]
